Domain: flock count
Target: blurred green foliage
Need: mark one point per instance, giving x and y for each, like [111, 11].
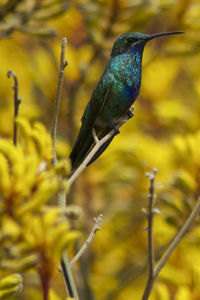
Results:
[164, 133]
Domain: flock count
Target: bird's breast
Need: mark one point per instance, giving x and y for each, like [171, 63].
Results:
[127, 76]
[125, 71]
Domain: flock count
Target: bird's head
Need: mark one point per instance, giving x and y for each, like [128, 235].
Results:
[128, 41]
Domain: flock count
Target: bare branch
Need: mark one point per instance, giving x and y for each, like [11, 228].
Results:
[150, 223]
[174, 243]
[150, 214]
[177, 239]
[63, 64]
[65, 267]
[96, 227]
[68, 278]
[17, 102]
[90, 155]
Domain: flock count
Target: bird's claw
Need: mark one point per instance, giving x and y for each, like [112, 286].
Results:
[116, 130]
[95, 135]
[130, 112]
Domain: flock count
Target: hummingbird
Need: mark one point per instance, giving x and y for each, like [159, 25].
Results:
[114, 94]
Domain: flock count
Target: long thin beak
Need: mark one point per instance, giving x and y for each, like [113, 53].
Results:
[152, 36]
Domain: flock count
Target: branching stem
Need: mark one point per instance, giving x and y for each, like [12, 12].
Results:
[150, 215]
[96, 227]
[90, 155]
[66, 271]
[174, 243]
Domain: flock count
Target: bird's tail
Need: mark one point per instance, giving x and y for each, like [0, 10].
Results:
[80, 149]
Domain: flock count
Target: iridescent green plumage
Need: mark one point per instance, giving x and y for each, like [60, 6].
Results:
[115, 93]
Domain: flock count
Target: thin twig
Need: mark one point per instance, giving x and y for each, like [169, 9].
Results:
[174, 243]
[91, 154]
[177, 239]
[17, 102]
[68, 278]
[70, 286]
[150, 215]
[150, 223]
[96, 227]
[63, 64]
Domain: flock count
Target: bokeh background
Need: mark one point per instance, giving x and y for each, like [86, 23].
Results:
[163, 133]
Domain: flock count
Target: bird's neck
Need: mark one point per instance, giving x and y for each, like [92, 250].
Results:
[136, 52]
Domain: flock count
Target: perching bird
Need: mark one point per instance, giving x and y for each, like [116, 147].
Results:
[114, 94]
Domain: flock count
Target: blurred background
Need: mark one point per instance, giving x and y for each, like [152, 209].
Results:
[163, 133]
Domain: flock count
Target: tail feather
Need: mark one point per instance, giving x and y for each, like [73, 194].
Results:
[80, 150]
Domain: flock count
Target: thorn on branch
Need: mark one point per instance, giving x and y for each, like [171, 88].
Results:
[151, 175]
[65, 64]
[158, 185]
[97, 221]
[156, 211]
[144, 210]
[146, 229]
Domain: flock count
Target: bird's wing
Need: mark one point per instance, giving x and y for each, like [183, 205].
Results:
[93, 109]
[99, 97]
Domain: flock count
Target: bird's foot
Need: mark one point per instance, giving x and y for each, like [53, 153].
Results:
[130, 112]
[95, 135]
[116, 129]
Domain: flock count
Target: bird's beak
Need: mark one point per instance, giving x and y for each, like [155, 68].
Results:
[152, 36]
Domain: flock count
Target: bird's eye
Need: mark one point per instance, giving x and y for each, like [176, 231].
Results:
[129, 40]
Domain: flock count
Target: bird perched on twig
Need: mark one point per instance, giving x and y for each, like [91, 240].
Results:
[114, 94]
